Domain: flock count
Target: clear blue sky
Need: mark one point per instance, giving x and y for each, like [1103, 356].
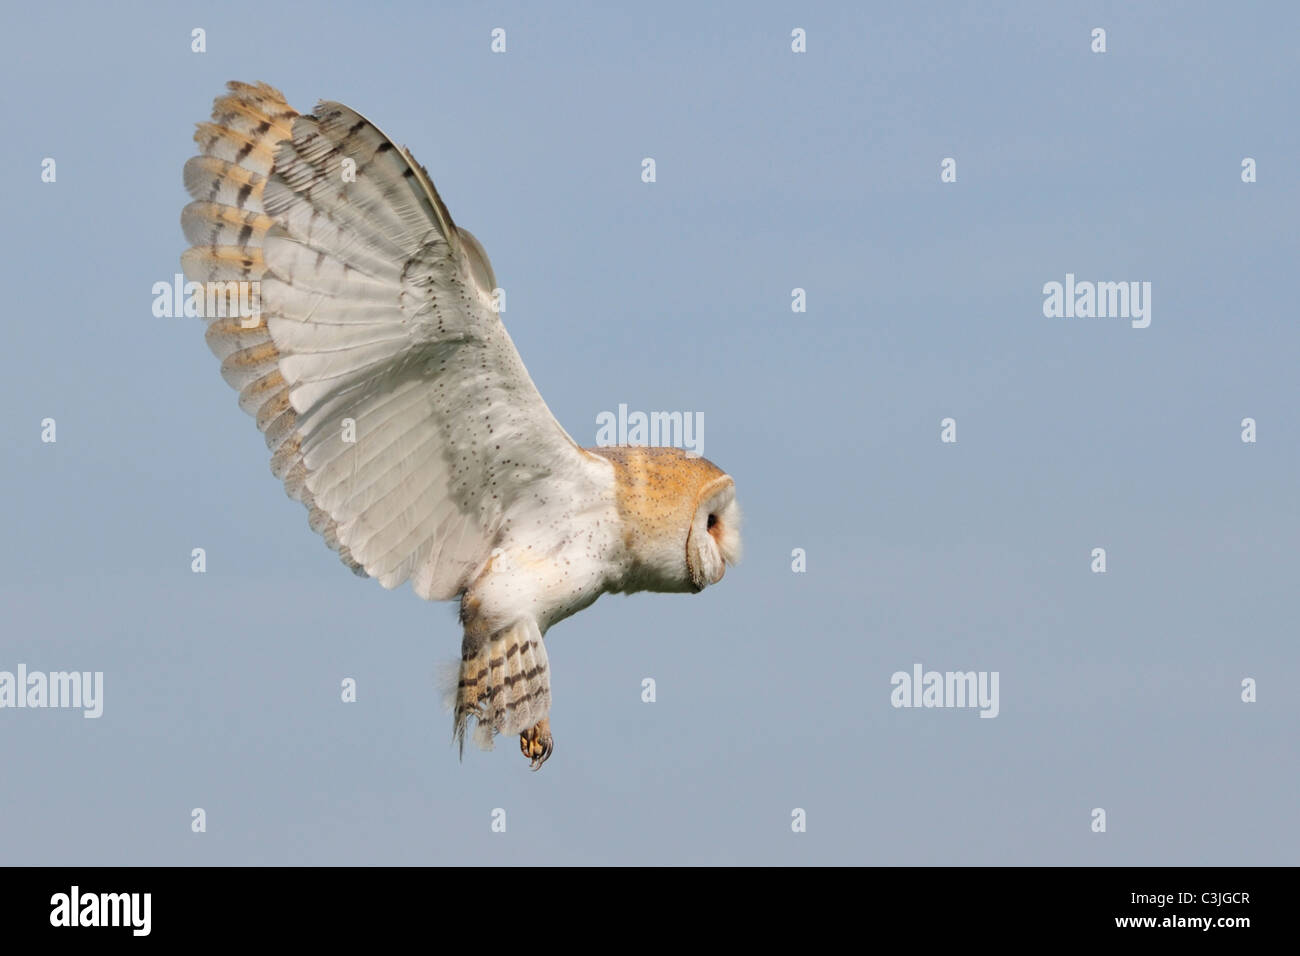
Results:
[775, 171]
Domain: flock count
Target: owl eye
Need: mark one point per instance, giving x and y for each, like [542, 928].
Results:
[713, 519]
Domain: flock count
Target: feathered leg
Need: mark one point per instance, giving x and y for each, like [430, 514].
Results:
[505, 686]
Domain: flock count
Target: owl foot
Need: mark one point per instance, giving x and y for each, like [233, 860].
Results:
[536, 743]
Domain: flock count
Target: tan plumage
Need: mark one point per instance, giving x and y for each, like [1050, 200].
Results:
[227, 225]
[397, 410]
[658, 492]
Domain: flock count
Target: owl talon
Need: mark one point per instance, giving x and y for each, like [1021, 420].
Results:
[536, 744]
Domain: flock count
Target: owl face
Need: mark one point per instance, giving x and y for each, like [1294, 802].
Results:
[713, 541]
[680, 520]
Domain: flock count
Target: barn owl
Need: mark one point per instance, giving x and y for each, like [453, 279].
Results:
[397, 409]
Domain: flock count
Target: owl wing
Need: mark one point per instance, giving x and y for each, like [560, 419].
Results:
[395, 404]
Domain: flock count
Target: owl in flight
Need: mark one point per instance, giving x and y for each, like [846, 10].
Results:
[398, 411]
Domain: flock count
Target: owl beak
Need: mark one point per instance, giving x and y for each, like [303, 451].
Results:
[701, 581]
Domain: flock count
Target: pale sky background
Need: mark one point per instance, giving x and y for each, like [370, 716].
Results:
[775, 171]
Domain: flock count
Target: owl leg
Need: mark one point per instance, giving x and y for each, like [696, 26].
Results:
[505, 687]
[536, 743]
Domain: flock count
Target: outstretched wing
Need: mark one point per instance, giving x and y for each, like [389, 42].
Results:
[396, 406]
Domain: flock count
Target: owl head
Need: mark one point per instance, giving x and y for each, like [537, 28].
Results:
[681, 522]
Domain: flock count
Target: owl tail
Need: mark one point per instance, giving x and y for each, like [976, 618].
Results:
[504, 684]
